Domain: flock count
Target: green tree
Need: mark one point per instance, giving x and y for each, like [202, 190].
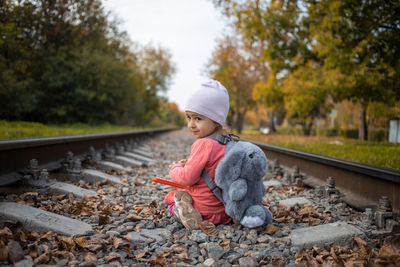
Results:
[17, 96]
[274, 28]
[360, 40]
[305, 94]
[66, 61]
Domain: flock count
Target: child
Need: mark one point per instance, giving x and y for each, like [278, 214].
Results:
[206, 112]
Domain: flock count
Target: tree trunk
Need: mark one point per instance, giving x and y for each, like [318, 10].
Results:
[271, 122]
[239, 122]
[362, 124]
[307, 128]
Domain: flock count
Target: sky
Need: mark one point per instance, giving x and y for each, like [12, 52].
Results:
[187, 28]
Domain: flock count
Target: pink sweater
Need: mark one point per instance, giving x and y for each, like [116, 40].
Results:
[205, 153]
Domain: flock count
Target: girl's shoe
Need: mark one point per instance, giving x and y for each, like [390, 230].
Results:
[189, 216]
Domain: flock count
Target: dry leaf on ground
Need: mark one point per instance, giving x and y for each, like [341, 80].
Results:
[208, 228]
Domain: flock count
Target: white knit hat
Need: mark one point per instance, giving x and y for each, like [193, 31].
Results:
[211, 100]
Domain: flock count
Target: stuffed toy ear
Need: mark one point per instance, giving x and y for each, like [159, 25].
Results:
[229, 168]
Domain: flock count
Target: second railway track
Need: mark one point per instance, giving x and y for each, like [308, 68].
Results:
[99, 208]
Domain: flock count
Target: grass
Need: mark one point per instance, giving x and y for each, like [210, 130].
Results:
[20, 129]
[382, 154]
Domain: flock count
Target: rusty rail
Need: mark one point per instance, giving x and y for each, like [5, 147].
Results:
[362, 184]
[16, 154]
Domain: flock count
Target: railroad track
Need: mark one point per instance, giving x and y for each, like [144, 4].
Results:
[362, 185]
[95, 205]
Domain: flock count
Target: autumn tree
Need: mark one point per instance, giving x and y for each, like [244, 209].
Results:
[234, 65]
[273, 28]
[352, 45]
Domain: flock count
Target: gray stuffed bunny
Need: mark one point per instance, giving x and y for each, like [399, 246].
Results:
[239, 176]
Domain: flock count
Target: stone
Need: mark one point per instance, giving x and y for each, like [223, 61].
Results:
[198, 236]
[290, 202]
[26, 262]
[209, 262]
[98, 176]
[65, 188]
[149, 235]
[215, 251]
[111, 166]
[139, 157]
[40, 220]
[273, 182]
[247, 262]
[128, 161]
[232, 257]
[339, 233]
[63, 262]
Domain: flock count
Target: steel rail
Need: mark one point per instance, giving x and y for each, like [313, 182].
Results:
[362, 184]
[16, 154]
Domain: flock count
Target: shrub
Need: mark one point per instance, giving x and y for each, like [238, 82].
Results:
[378, 135]
[290, 130]
[330, 132]
[349, 133]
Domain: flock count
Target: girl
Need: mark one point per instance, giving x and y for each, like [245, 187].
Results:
[206, 112]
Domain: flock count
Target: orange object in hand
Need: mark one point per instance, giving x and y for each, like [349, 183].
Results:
[168, 182]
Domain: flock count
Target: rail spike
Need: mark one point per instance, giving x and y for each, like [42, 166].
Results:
[319, 191]
[384, 217]
[368, 218]
[276, 169]
[93, 156]
[287, 178]
[330, 188]
[108, 152]
[119, 148]
[297, 177]
[71, 165]
[34, 169]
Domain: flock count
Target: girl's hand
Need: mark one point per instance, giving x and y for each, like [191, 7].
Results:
[180, 162]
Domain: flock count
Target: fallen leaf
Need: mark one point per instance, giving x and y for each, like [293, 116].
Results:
[28, 194]
[104, 219]
[225, 243]
[94, 247]
[161, 259]
[182, 237]
[278, 263]
[3, 253]
[117, 242]
[81, 242]
[88, 256]
[68, 243]
[313, 221]
[100, 192]
[6, 232]
[113, 257]
[42, 259]
[140, 255]
[179, 247]
[271, 229]
[208, 228]
[184, 257]
[89, 197]
[33, 251]
[133, 218]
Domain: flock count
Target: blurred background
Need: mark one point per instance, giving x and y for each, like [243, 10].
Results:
[312, 68]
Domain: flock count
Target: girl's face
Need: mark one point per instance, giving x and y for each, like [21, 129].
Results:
[199, 125]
